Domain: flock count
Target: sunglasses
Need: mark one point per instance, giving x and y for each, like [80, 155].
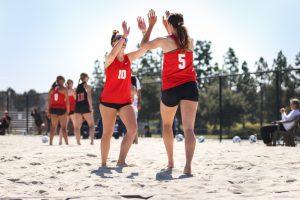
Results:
[120, 37]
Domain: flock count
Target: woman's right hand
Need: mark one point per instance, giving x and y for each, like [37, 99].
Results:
[165, 20]
[125, 29]
[141, 24]
[152, 18]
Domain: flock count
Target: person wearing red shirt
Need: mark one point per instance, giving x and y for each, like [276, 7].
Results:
[58, 108]
[71, 116]
[179, 85]
[116, 95]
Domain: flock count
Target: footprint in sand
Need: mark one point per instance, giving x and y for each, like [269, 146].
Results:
[13, 179]
[16, 157]
[35, 163]
[41, 191]
[100, 185]
[91, 155]
[37, 182]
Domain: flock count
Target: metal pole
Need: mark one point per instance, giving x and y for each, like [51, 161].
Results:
[27, 116]
[261, 105]
[277, 95]
[220, 107]
[7, 100]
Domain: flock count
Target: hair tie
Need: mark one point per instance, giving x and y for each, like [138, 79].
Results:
[180, 23]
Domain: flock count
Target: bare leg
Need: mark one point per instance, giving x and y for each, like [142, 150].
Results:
[167, 115]
[63, 127]
[108, 120]
[72, 118]
[188, 114]
[128, 118]
[78, 119]
[61, 132]
[54, 123]
[90, 120]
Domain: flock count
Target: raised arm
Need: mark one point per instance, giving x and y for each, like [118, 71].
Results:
[138, 53]
[115, 50]
[152, 18]
[165, 20]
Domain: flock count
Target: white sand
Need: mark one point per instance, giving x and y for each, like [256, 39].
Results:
[30, 169]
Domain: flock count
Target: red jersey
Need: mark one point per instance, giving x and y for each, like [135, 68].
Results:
[117, 87]
[178, 68]
[58, 99]
[72, 103]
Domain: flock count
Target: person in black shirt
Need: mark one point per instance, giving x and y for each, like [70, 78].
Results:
[83, 107]
[37, 119]
[4, 123]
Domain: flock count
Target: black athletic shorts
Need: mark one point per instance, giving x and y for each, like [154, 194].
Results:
[71, 112]
[116, 106]
[82, 109]
[57, 111]
[186, 91]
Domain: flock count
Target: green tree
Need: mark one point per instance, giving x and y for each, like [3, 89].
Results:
[231, 63]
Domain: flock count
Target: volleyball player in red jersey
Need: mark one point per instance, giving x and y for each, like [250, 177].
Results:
[116, 95]
[58, 108]
[178, 82]
[71, 116]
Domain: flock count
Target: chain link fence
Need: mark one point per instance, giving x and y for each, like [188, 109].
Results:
[229, 104]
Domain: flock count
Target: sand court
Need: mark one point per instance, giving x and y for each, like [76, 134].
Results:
[30, 169]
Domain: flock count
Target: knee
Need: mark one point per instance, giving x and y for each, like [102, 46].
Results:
[64, 129]
[91, 127]
[131, 130]
[167, 127]
[189, 133]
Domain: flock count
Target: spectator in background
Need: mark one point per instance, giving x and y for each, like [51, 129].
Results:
[135, 102]
[37, 119]
[5, 123]
[267, 131]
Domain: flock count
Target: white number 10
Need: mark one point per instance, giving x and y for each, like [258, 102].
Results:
[122, 74]
[181, 59]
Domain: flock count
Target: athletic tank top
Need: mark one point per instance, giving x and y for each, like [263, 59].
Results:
[117, 87]
[178, 68]
[58, 99]
[72, 103]
[81, 103]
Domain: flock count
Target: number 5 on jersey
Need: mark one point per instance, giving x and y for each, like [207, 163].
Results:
[181, 60]
[122, 74]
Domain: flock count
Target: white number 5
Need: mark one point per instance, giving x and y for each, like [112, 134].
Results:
[181, 59]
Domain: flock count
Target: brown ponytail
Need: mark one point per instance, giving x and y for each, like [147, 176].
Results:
[82, 77]
[114, 37]
[176, 20]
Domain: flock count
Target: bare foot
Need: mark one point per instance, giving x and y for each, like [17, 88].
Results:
[122, 164]
[103, 165]
[187, 170]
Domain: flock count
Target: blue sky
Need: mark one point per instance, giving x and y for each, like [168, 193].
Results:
[40, 39]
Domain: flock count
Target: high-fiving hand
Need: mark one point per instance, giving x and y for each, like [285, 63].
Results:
[141, 24]
[152, 18]
[165, 19]
[125, 29]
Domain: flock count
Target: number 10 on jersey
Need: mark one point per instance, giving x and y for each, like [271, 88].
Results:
[181, 60]
[122, 74]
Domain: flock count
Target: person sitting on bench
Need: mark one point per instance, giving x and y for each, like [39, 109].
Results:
[267, 131]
